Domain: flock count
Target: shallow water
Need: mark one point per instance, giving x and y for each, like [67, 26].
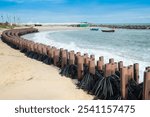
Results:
[130, 46]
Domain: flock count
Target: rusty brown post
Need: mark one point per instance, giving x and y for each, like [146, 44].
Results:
[130, 72]
[85, 58]
[111, 60]
[107, 70]
[136, 72]
[76, 57]
[61, 51]
[44, 50]
[124, 82]
[56, 56]
[86, 55]
[120, 65]
[116, 66]
[64, 58]
[101, 58]
[71, 57]
[100, 65]
[147, 68]
[113, 68]
[32, 47]
[78, 53]
[92, 66]
[92, 57]
[49, 51]
[80, 67]
[52, 52]
[146, 89]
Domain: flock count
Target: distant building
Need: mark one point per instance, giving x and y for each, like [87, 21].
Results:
[82, 24]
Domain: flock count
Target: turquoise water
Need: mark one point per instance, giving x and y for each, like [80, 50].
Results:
[130, 46]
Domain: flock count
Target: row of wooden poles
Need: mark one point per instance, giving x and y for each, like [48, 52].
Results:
[12, 37]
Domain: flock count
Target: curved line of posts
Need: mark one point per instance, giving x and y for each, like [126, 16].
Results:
[110, 81]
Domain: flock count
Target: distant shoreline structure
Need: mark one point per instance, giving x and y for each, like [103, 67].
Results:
[86, 24]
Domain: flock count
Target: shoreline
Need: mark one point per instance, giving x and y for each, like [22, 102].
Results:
[21, 80]
[50, 55]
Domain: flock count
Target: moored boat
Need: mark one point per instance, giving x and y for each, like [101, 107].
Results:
[94, 29]
[108, 30]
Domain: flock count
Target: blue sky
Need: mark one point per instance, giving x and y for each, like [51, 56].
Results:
[94, 11]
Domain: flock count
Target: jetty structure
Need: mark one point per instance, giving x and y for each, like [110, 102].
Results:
[108, 81]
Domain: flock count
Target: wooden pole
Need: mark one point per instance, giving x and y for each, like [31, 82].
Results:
[113, 68]
[56, 56]
[80, 67]
[87, 61]
[146, 89]
[92, 57]
[101, 58]
[107, 70]
[64, 58]
[100, 65]
[92, 66]
[76, 57]
[85, 58]
[130, 72]
[116, 66]
[71, 57]
[111, 60]
[136, 72]
[147, 68]
[124, 82]
[120, 65]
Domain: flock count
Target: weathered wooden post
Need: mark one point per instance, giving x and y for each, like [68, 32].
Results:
[111, 60]
[85, 58]
[56, 56]
[49, 51]
[52, 52]
[76, 57]
[113, 69]
[146, 89]
[147, 68]
[39, 49]
[136, 72]
[120, 65]
[100, 63]
[130, 72]
[101, 58]
[92, 57]
[116, 66]
[107, 70]
[124, 82]
[80, 67]
[71, 58]
[44, 50]
[92, 66]
[64, 58]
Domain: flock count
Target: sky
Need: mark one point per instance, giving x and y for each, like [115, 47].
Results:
[64, 11]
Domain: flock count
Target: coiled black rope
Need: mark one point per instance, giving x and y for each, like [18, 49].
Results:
[69, 70]
[135, 90]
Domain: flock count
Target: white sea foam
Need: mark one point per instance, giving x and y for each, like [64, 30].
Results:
[47, 38]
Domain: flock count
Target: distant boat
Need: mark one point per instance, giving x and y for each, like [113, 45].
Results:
[94, 29]
[108, 30]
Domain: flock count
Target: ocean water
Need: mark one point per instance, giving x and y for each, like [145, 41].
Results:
[129, 46]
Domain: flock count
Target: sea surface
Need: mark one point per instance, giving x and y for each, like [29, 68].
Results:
[130, 46]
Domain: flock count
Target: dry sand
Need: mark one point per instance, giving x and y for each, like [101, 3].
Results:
[24, 78]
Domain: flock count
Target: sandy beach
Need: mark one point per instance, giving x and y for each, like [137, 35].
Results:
[24, 78]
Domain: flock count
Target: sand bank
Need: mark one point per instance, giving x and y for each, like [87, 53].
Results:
[24, 78]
